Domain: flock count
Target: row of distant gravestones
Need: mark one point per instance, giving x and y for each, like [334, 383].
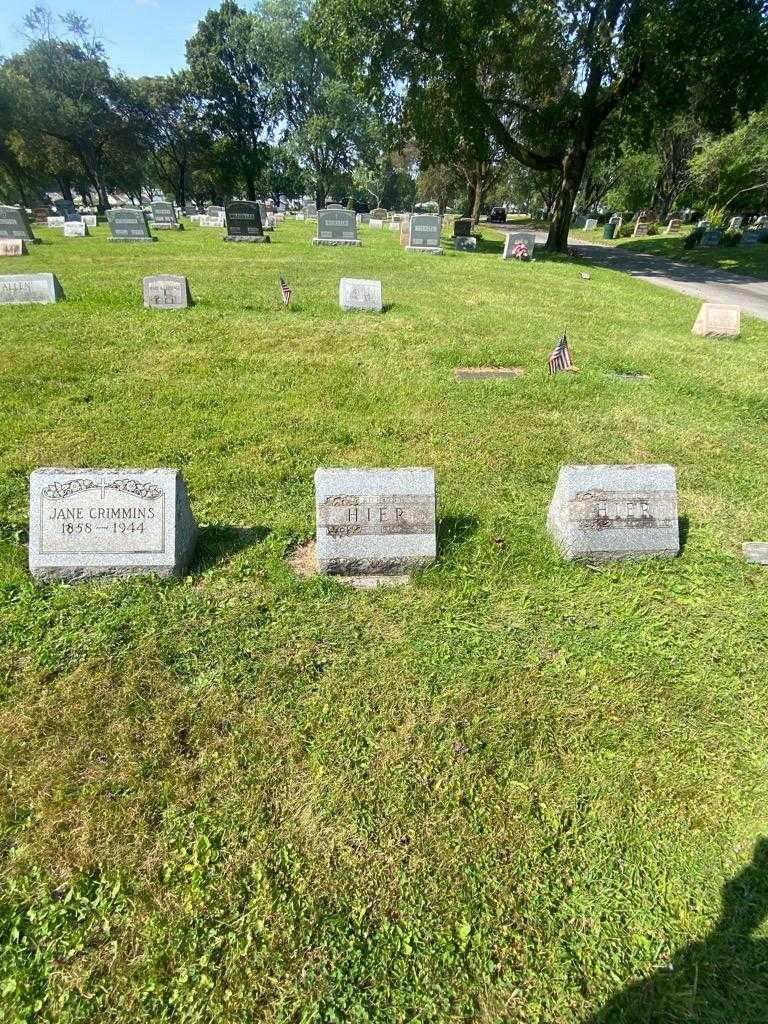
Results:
[370, 523]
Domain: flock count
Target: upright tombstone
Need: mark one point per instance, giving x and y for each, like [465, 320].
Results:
[642, 228]
[752, 236]
[375, 521]
[89, 219]
[716, 320]
[29, 289]
[264, 215]
[424, 234]
[336, 227]
[164, 217]
[75, 229]
[615, 219]
[14, 224]
[379, 213]
[610, 513]
[334, 206]
[41, 214]
[673, 228]
[405, 230]
[528, 238]
[108, 522]
[13, 247]
[711, 239]
[166, 291]
[56, 222]
[365, 218]
[66, 208]
[244, 222]
[590, 224]
[128, 224]
[310, 211]
[735, 223]
[357, 293]
[463, 239]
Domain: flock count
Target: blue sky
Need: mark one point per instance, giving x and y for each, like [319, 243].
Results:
[141, 37]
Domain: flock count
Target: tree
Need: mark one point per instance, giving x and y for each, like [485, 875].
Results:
[542, 77]
[735, 166]
[441, 184]
[227, 67]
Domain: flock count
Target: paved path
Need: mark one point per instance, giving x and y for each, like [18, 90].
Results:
[707, 283]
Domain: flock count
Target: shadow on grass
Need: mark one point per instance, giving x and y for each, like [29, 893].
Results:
[723, 979]
[453, 531]
[490, 245]
[684, 526]
[218, 544]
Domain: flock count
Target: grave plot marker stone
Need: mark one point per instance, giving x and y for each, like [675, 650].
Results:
[469, 373]
[424, 234]
[336, 227]
[164, 217]
[128, 225]
[673, 228]
[375, 521]
[56, 222]
[752, 236]
[610, 513]
[718, 320]
[89, 219]
[14, 224]
[357, 293]
[29, 289]
[463, 239]
[166, 291]
[379, 213]
[75, 229]
[41, 214]
[108, 522]
[13, 247]
[755, 552]
[310, 211]
[527, 237]
[244, 222]
[590, 224]
[710, 239]
[641, 229]
[66, 209]
[735, 223]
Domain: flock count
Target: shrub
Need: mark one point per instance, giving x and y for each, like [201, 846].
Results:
[731, 238]
[692, 240]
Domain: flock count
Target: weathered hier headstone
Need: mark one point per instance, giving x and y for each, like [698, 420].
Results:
[375, 223]
[13, 247]
[359, 293]
[14, 223]
[89, 219]
[528, 238]
[718, 320]
[128, 224]
[108, 522]
[710, 239]
[244, 222]
[41, 214]
[735, 223]
[166, 291]
[608, 513]
[164, 217]
[365, 218]
[375, 521]
[336, 227]
[75, 229]
[310, 211]
[29, 289]
[424, 234]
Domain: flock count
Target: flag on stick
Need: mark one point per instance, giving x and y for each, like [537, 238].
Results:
[285, 291]
[561, 356]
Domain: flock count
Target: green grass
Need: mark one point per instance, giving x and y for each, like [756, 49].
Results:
[511, 792]
[751, 260]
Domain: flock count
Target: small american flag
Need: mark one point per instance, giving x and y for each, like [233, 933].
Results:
[285, 291]
[561, 356]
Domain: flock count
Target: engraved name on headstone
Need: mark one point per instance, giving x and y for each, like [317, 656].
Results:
[614, 512]
[375, 521]
[128, 224]
[244, 222]
[718, 320]
[359, 293]
[108, 522]
[29, 289]
[336, 227]
[166, 291]
[14, 224]
[424, 234]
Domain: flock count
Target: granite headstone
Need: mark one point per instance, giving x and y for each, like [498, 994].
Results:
[244, 222]
[359, 293]
[14, 223]
[29, 289]
[336, 227]
[128, 224]
[166, 291]
[424, 234]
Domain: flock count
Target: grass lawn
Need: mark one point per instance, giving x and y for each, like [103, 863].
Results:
[510, 792]
[750, 260]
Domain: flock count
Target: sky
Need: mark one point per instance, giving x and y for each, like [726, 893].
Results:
[141, 37]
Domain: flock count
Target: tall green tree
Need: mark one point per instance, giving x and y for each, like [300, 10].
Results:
[541, 77]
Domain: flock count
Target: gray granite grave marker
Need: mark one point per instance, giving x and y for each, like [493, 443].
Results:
[13, 247]
[29, 289]
[528, 238]
[717, 320]
[710, 239]
[75, 229]
[336, 227]
[424, 234]
[166, 291]
[752, 236]
[361, 294]
[375, 521]
[465, 243]
[14, 224]
[128, 224]
[164, 217]
[108, 522]
[244, 222]
[608, 513]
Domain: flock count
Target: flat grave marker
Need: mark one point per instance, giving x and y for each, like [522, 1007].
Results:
[13, 247]
[375, 521]
[470, 373]
[108, 522]
[718, 320]
[755, 552]
[356, 293]
[336, 227]
[613, 512]
[29, 289]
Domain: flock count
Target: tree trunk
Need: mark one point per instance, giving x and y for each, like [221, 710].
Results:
[573, 171]
[477, 199]
[250, 188]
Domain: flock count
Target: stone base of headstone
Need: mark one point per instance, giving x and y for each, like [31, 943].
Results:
[465, 243]
[429, 250]
[336, 241]
[717, 320]
[247, 238]
[150, 239]
[755, 552]
[615, 513]
[168, 227]
[12, 247]
[84, 523]
[303, 561]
